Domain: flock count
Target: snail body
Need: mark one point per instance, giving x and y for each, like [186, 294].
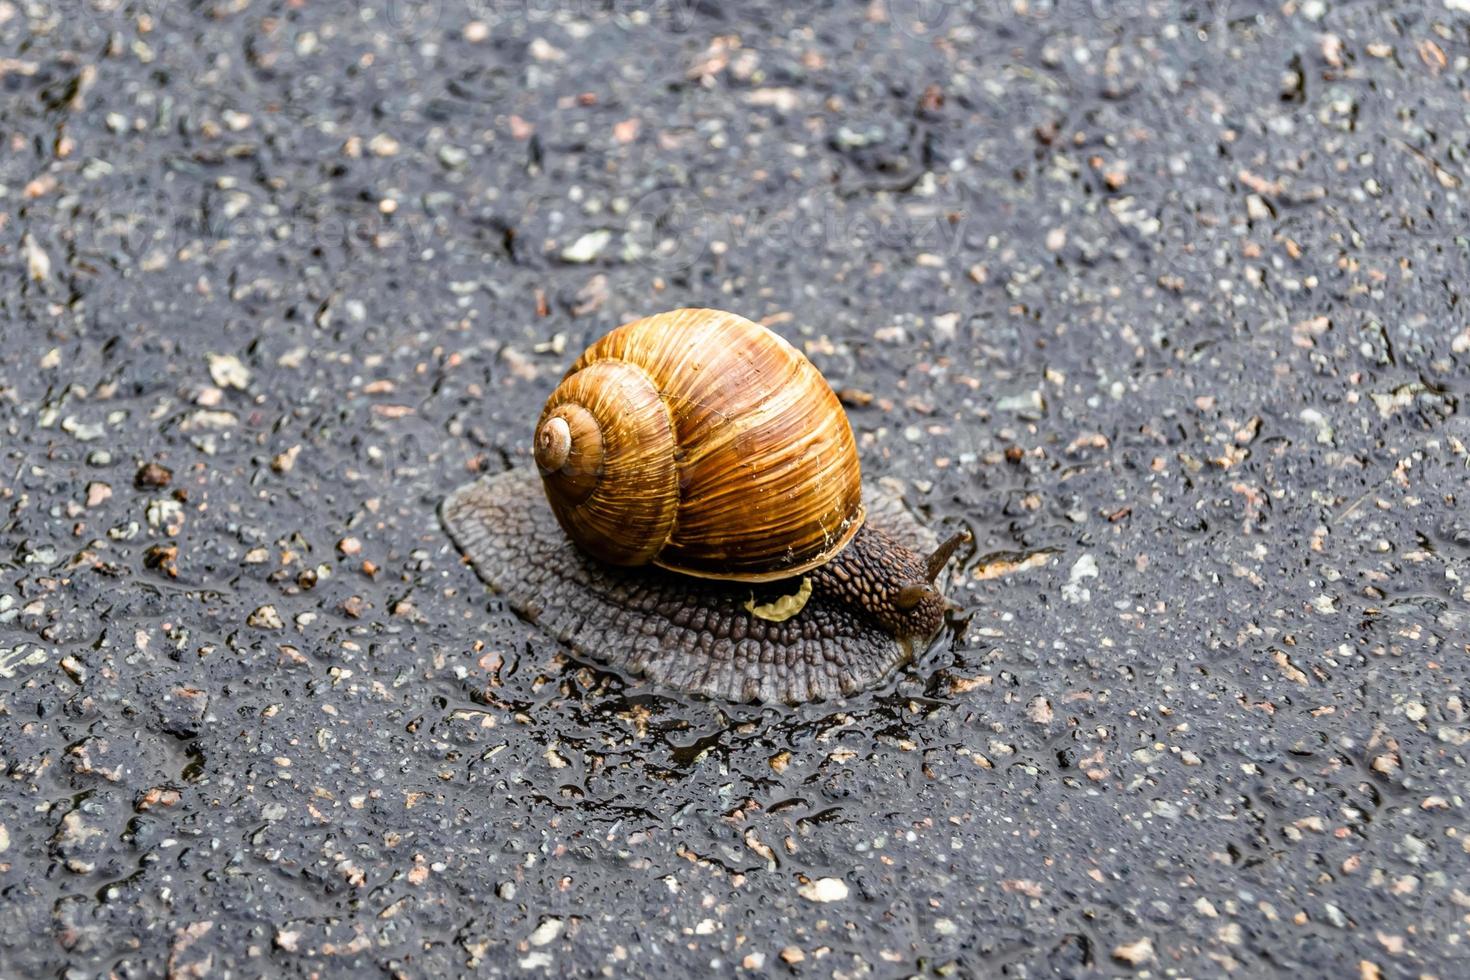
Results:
[701, 519]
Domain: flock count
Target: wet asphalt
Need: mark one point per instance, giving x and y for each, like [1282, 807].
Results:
[1165, 302]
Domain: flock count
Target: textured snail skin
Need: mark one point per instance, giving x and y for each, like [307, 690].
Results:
[867, 575]
[696, 635]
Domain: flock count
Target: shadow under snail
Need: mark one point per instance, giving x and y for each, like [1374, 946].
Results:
[704, 521]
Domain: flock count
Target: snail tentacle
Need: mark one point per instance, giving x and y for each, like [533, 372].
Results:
[941, 555]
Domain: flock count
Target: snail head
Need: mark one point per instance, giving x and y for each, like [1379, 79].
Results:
[921, 604]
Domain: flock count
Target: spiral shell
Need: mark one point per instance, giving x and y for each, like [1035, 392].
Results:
[701, 442]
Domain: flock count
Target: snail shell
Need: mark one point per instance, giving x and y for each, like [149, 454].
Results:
[703, 443]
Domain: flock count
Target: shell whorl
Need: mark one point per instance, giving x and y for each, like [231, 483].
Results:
[702, 442]
[606, 450]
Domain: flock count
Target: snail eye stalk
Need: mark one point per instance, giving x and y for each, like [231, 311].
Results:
[935, 563]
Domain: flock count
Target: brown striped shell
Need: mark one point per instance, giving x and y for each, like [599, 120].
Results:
[701, 442]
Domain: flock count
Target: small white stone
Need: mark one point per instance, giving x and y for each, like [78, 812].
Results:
[546, 932]
[82, 431]
[1134, 953]
[453, 157]
[165, 512]
[1026, 401]
[784, 99]
[1039, 710]
[544, 50]
[228, 372]
[1084, 568]
[824, 890]
[38, 263]
[265, 618]
[945, 325]
[588, 247]
[383, 145]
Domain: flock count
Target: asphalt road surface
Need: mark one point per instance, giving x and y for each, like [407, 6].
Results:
[1164, 301]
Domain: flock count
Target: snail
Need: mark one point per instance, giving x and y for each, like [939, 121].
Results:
[697, 515]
